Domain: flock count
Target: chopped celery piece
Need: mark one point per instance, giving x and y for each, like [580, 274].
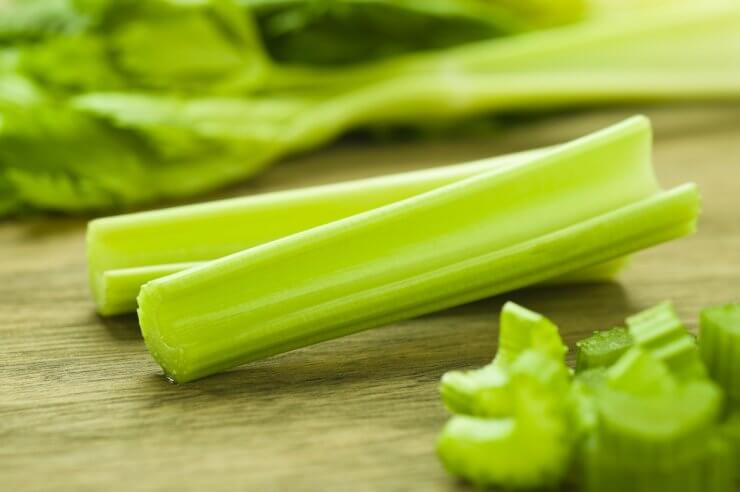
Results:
[710, 469]
[638, 372]
[584, 388]
[719, 342]
[126, 251]
[657, 429]
[660, 331]
[522, 329]
[577, 205]
[530, 448]
[486, 391]
[603, 348]
[461, 391]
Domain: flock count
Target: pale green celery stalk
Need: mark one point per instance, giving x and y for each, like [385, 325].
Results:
[686, 55]
[700, 42]
[577, 205]
[126, 251]
[690, 54]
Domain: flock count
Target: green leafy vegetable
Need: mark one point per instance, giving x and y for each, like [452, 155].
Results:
[719, 341]
[603, 348]
[209, 107]
[454, 244]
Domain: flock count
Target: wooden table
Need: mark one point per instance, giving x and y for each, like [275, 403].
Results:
[84, 407]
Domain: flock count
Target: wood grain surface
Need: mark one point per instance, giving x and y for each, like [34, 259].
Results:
[84, 407]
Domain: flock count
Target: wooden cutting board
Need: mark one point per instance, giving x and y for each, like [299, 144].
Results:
[84, 407]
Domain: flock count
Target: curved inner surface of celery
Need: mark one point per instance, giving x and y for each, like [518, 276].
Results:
[126, 251]
[580, 204]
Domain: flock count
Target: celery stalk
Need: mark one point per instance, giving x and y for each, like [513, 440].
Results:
[486, 392]
[125, 252]
[154, 242]
[577, 205]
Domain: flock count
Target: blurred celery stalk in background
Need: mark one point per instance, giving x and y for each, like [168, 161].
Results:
[118, 103]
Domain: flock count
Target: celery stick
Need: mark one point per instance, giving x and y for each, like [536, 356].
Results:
[577, 205]
[124, 252]
[660, 331]
[658, 429]
[719, 342]
[603, 348]
[195, 233]
[731, 431]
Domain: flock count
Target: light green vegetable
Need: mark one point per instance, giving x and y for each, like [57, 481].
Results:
[709, 470]
[731, 431]
[236, 111]
[603, 348]
[487, 391]
[660, 331]
[719, 341]
[468, 240]
[125, 252]
[640, 373]
[655, 432]
[531, 447]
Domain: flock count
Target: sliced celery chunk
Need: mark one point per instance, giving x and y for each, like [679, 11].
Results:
[719, 342]
[603, 348]
[530, 448]
[710, 469]
[487, 391]
[577, 205]
[660, 331]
